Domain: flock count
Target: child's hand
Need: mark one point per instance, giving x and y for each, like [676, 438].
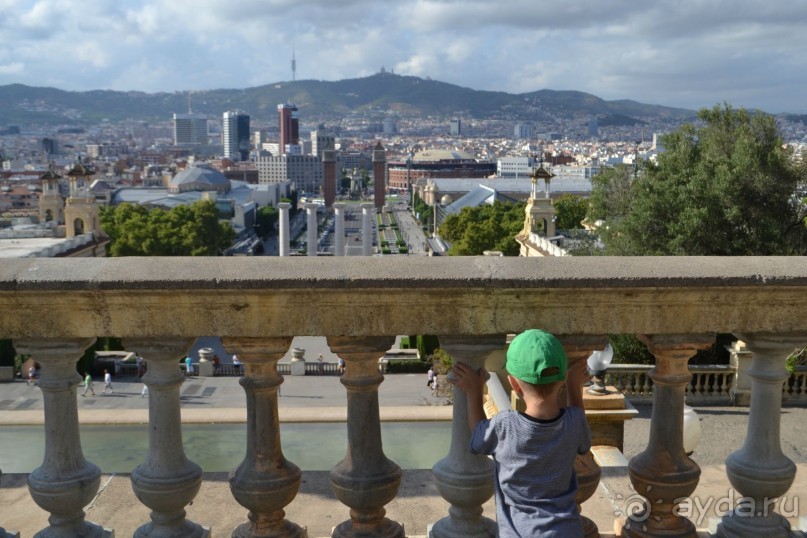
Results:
[467, 379]
[577, 374]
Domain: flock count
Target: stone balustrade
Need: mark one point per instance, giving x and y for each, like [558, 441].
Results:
[54, 308]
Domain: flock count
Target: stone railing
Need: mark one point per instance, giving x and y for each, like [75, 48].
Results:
[53, 309]
[710, 384]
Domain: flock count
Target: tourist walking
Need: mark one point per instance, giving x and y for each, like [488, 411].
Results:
[88, 384]
[340, 365]
[237, 364]
[189, 365]
[430, 378]
[321, 364]
[107, 382]
[32, 375]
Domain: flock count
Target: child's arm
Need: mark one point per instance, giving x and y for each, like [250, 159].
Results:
[471, 383]
[576, 375]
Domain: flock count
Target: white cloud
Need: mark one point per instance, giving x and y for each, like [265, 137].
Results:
[681, 53]
[12, 69]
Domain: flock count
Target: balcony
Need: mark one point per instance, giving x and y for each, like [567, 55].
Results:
[54, 308]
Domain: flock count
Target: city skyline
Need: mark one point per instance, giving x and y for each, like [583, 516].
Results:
[685, 54]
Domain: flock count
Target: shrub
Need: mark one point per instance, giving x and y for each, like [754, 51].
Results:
[407, 366]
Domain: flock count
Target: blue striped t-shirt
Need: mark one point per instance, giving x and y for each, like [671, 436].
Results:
[535, 482]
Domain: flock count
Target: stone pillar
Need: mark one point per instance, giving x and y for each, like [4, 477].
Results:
[367, 215]
[265, 482]
[578, 348]
[365, 480]
[283, 236]
[759, 470]
[741, 384]
[663, 473]
[463, 479]
[65, 482]
[339, 229]
[166, 481]
[311, 228]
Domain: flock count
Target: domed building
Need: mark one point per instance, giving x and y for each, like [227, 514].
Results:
[199, 177]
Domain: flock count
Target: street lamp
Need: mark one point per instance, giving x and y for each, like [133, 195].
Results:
[598, 363]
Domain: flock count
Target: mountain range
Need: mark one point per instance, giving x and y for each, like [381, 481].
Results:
[380, 94]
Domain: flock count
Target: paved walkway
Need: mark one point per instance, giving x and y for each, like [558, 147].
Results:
[322, 398]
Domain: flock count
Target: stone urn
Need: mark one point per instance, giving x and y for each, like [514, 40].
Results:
[297, 361]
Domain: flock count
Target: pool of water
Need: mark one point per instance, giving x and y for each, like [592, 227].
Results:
[221, 447]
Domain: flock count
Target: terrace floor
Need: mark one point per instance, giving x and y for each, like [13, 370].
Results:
[322, 398]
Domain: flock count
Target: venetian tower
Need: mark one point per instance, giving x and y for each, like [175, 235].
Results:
[81, 211]
[379, 175]
[51, 203]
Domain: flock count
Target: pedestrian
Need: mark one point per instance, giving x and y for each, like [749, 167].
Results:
[188, 365]
[88, 384]
[145, 391]
[107, 382]
[237, 364]
[340, 365]
[32, 375]
[534, 450]
[216, 364]
[430, 378]
[321, 364]
[141, 366]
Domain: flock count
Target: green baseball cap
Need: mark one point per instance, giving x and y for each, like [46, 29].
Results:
[533, 352]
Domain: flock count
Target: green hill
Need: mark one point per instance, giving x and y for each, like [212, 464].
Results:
[317, 100]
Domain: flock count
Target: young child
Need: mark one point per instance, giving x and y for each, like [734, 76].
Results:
[534, 450]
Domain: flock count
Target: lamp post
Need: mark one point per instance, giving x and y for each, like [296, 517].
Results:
[598, 363]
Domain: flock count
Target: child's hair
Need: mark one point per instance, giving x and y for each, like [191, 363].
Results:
[543, 390]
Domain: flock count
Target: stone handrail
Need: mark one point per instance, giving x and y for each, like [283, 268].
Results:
[53, 309]
[711, 383]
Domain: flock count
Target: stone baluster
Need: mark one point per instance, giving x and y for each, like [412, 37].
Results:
[365, 480]
[759, 470]
[463, 479]
[663, 473]
[166, 481]
[65, 482]
[578, 348]
[265, 482]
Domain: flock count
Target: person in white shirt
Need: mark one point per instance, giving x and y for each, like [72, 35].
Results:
[107, 382]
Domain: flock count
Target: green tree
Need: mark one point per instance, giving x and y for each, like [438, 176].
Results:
[181, 231]
[474, 230]
[265, 221]
[570, 209]
[725, 187]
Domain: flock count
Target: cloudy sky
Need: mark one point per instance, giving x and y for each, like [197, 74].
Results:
[687, 53]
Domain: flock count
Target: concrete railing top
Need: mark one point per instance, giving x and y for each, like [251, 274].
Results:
[359, 296]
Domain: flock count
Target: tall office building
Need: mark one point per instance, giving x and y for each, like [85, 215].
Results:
[455, 127]
[289, 124]
[304, 171]
[320, 141]
[235, 135]
[522, 131]
[190, 129]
